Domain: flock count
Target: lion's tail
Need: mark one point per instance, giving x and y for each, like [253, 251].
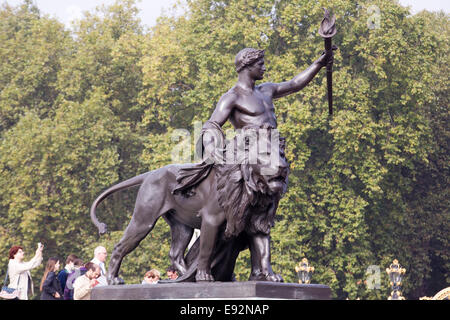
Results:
[120, 186]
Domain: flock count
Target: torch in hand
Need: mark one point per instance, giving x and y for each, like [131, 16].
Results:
[327, 31]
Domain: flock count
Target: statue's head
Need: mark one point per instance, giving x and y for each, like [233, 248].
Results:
[246, 57]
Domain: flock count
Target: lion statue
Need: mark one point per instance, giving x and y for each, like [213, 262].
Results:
[233, 205]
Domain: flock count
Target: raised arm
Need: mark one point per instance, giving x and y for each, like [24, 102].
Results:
[298, 82]
[33, 263]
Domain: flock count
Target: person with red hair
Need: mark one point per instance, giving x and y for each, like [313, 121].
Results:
[19, 271]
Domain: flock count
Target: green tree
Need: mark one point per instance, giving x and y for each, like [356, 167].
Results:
[31, 50]
[81, 110]
[352, 175]
[51, 169]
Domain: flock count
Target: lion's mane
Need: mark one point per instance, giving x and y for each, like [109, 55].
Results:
[246, 204]
[244, 196]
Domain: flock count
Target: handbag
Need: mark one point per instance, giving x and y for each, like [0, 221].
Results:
[7, 292]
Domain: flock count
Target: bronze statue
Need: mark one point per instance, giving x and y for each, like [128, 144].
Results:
[232, 203]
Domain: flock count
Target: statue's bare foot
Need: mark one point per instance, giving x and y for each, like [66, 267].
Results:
[274, 278]
[260, 276]
[203, 275]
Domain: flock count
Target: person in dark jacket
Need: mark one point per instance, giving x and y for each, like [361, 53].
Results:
[62, 275]
[50, 286]
[79, 270]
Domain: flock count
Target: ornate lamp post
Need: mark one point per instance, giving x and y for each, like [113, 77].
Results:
[304, 271]
[396, 273]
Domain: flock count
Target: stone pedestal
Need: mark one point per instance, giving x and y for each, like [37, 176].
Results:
[251, 290]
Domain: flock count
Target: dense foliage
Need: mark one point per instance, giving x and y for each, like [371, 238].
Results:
[84, 108]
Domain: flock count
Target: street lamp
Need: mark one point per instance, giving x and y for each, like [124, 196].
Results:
[396, 273]
[304, 271]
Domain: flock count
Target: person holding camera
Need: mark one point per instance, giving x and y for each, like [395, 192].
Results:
[19, 271]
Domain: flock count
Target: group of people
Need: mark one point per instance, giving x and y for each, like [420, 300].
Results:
[74, 282]
[153, 276]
